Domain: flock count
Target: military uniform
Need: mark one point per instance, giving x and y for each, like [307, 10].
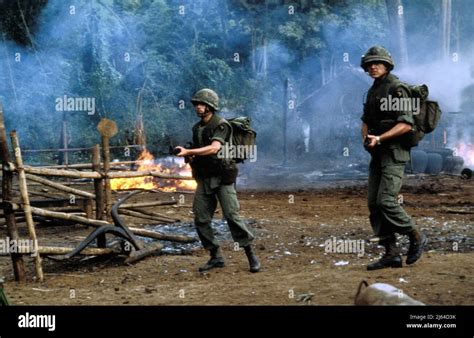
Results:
[215, 180]
[388, 160]
[387, 165]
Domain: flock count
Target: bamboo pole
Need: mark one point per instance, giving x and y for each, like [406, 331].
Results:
[92, 174]
[8, 211]
[77, 149]
[68, 209]
[128, 174]
[18, 219]
[62, 173]
[68, 217]
[146, 204]
[59, 186]
[85, 165]
[156, 214]
[149, 250]
[106, 169]
[22, 219]
[99, 193]
[53, 250]
[144, 216]
[43, 194]
[164, 237]
[98, 223]
[26, 201]
[13, 206]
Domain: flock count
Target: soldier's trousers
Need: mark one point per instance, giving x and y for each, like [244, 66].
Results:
[204, 206]
[386, 214]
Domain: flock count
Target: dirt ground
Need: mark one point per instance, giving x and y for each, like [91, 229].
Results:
[290, 243]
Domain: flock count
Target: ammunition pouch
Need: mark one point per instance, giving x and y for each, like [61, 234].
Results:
[229, 173]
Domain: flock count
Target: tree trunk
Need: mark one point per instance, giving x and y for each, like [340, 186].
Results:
[395, 12]
[323, 71]
[445, 28]
[265, 58]
[63, 143]
[285, 120]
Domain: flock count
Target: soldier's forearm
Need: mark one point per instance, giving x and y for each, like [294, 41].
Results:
[364, 130]
[211, 149]
[398, 130]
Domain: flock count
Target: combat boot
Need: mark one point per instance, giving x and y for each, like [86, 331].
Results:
[216, 261]
[253, 260]
[418, 241]
[391, 258]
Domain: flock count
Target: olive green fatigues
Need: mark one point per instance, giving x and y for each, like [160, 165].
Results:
[215, 182]
[388, 160]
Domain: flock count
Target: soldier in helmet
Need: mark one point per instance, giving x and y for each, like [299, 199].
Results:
[215, 179]
[382, 134]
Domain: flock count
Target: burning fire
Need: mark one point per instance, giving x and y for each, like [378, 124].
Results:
[466, 151]
[146, 162]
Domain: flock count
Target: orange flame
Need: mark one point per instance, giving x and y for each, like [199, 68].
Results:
[466, 151]
[146, 162]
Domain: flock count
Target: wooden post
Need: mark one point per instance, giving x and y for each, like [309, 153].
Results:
[89, 208]
[99, 193]
[26, 202]
[107, 129]
[108, 190]
[64, 138]
[285, 121]
[9, 214]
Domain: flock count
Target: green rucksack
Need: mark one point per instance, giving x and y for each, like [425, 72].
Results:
[426, 119]
[243, 137]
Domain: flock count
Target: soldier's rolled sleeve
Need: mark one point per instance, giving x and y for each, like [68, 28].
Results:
[364, 116]
[404, 116]
[221, 134]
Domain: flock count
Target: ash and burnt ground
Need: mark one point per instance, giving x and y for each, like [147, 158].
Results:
[290, 243]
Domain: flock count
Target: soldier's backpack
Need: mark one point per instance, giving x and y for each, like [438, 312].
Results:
[426, 119]
[243, 137]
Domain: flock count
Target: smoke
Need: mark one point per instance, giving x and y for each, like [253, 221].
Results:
[36, 76]
[148, 58]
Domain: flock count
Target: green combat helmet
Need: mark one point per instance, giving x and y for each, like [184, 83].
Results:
[207, 96]
[377, 53]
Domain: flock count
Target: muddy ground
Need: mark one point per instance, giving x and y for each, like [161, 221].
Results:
[290, 243]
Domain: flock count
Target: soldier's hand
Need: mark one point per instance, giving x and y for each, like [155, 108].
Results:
[370, 142]
[180, 151]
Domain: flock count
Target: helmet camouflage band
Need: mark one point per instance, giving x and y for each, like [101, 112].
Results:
[207, 96]
[377, 54]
